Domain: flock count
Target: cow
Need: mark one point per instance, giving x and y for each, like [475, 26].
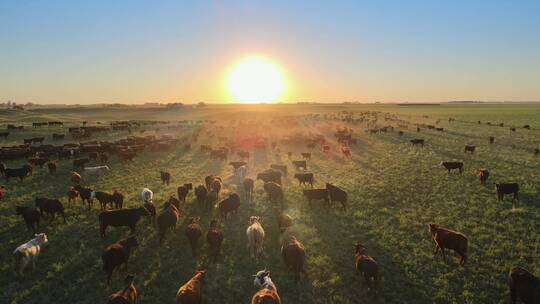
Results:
[346, 151]
[118, 254]
[300, 164]
[229, 205]
[294, 255]
[72, 195]
[75, 178]
[491, 139]
[446, 238]
[183, 191]
[193, 233]
[191, 291]
[507, 188]
[337, 195]
[121, 217]
[248, 184]
[306, 155]
[165, 177]
[31, 217]
[103, 198]
[128, 295]
[96, 171]
[146, 196]
[469, 148]
[284, 220]
[214, 237]
[274, 191]
[210, 200]
[3, 192]
[452, 166]
[417, 141]
[267, 291]
[317, 194]
[167, 220]
[200, 193]
[366, 265]
[304, 179]
[209, 180]
[216, 186]
[85, 194]
[255, 236]
[326, 148]
[483, 174]
[52, 165]
[281, 168]
[21, 172]
[270, 175]
[523, 285]
[50, 207]
[29, 252]
[118, 199]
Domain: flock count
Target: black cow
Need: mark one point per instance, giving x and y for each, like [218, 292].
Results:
[452, 166]
[507, 188]
[304, 178]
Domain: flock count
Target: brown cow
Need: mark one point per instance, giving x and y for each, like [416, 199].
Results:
[483, 174]
[72, 195]
[523, 285]
[469, 148]
[52, 165]
[366, 265]
[214, 237]
[193, 233]
[167, 220]
[128, 295]
[446, 238]
[117, 254]
[248, 185]
[191, 292]
[294, 255]
[284, 220]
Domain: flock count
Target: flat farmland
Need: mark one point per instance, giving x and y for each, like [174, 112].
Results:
[394, 191]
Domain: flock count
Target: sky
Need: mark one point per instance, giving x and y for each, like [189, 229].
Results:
[83, 52]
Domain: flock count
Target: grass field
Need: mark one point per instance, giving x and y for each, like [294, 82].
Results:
[394, 192]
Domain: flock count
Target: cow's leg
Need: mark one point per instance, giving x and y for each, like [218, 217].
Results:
[436, 250]
[443, 254]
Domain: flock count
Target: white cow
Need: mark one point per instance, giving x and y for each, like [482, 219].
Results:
[96, 170]
[146, 196]
[255, 236]
[29, 251]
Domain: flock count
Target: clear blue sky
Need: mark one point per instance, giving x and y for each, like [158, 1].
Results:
[138, 51]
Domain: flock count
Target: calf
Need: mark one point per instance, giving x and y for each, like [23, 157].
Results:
[103, 198]
[274, 191]
[452, 166]
[317, 194]
[229, 205]
[128, 295]
[183, 191]
[417, 141]
[446, 238]
[507, 188]
[167, 220]
[121, 217]
[284, 220]
[248, 184]
[304, 179]
[255, 236]
[21, 172]
[191, 291]
[118, 199]
[491, 139]
[118, 254]
[146, 196]
[214, 237]
[337, 195]
[31, 217]
[367, 266]
[193, 233]
[294, 256]
[29, 252]
[523, 285]
[50, 207]
[469, 148]
[300, 164]
[165, 177]
[483, 174]
[267, 291]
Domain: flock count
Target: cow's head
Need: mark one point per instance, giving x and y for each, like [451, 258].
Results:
[433, 228]
[360, 249]
[260, 278]
[41, 238]
[254, 219]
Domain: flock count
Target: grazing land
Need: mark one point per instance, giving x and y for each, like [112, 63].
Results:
[394, 191]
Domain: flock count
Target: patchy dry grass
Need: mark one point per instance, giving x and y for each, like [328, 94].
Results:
[394, 192]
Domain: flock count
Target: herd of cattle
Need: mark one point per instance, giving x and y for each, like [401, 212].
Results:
[522, 284]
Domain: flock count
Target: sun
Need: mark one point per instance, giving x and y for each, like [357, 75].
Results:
[255, 79]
